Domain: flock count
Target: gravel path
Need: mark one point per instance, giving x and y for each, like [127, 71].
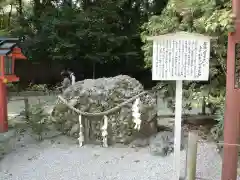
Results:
[62, 159]
[66, 161]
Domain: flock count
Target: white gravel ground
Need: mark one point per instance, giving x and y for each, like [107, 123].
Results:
[66, 161]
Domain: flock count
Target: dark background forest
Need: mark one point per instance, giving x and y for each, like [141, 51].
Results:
[93, 38]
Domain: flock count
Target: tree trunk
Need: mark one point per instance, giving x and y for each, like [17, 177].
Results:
[37, 8]
[10, 16]
[20, 8]
[85, 4]
[2, 26]
[204, 105]
[67, 3]
[94, 70]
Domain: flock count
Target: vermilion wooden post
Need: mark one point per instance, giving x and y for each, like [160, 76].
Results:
[232, 109]
[3, 105]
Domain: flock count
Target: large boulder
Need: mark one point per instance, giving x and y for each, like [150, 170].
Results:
[99, 95]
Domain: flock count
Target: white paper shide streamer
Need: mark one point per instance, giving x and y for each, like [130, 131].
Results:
[81, 136]
[104, 131]
[136, 114]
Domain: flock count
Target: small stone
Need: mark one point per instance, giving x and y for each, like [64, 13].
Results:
[163, 143]
[137, 161]
[140, 143]
[165, 123]
[74, 129]
[96, 155]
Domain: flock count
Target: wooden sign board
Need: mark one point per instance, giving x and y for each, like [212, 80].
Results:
[181, 56]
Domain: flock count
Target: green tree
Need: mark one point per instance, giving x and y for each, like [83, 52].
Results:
[99, 32]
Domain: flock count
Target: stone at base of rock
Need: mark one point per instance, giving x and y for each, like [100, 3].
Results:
[139, 143]
[163, 143]
[165, 123]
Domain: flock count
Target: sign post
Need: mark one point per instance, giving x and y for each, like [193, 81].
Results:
[177, 57]
[178, 129]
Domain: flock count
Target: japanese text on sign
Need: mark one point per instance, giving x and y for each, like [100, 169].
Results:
[181, 59]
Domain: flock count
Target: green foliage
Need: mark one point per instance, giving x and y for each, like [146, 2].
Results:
[38, 120]
[37, 87]
[4, 32]
[205, 17]
[103, 32]
[217, 130]
[11, 87]
[90, 32]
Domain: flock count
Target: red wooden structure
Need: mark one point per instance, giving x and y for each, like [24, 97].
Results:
[232, 110]
[9, 52]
